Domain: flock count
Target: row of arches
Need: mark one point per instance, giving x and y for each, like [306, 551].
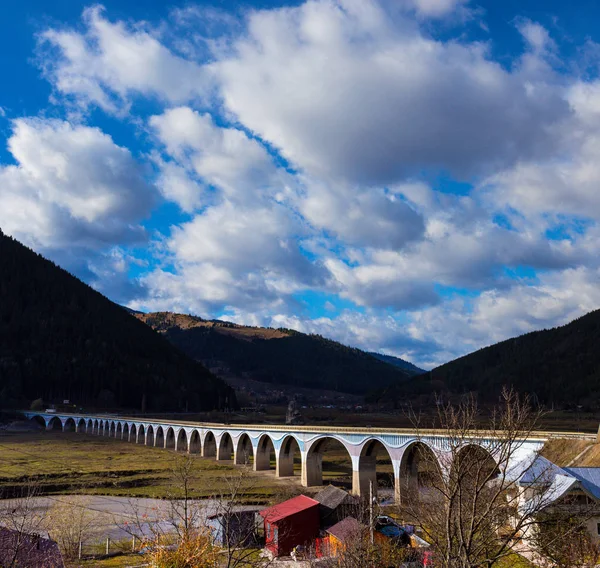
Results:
[322, 459]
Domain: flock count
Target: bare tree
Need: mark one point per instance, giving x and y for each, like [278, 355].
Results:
[71, 521]
[468, 497]
[22, 515]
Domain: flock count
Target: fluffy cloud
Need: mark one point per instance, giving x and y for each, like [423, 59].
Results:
[223, 157]
[71, 187]
[304, 145]
[110, 62]
[345, 91]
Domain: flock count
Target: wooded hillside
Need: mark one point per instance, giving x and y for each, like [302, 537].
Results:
[60, 339]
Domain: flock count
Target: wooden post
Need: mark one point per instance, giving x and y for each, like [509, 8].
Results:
[133, 544]
[107, 544]
[80, 550]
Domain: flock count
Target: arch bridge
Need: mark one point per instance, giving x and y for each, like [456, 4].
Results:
[251, 443]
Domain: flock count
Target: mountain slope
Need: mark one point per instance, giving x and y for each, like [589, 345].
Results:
[60, 339]
[397, 362]
[278, 356]
[559, 367]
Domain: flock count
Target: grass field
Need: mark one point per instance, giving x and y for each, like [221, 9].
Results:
[69, 463]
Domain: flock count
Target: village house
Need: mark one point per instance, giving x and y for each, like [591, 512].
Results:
[335, 505]
[289, 524]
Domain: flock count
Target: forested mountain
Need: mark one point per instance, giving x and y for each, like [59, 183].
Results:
[397, 362]
[60, 339]
[278, 356]
[557, 367]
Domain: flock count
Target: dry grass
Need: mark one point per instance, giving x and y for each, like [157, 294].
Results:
[562, 451]
[78, 463]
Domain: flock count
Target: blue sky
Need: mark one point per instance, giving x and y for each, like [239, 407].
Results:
[417, 177]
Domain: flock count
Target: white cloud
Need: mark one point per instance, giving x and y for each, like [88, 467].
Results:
[110, 62]
[222, 157]
[344, 91]
[437, 8]
[72, 187]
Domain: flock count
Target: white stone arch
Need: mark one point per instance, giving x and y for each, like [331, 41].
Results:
[209, 444]
[225, 447]
[364, 467]
[244, 450]
[40, 420]
[141, 434]
[159, 437]
[69, 424]
[54, 423]
[417, 461]
[312, 470]
[133, 433]
[484, 454]
[149, 435]
[170, 439]
[80, 425]
[285, 455]
[262, 452]
[119, 431]
[195, 445]
[181, 441]
[113, 429]
[90, 426]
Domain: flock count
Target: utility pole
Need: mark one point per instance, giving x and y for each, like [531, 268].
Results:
[371, 520]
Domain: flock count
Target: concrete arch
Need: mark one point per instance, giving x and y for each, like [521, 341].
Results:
[181, 444]
[133, 433]
[419, 467]
[113, 429]
[81, 426]
[150, 435]
[119, 431]
[54, 423]
[475, 461]
[69, 425]
[225, 449]
[195, 446]
[264, 449]
[40, 420]
[125, 435]
[285, 459]
[141, 435]
[209, 446]
[90, 426]
[312, 472]
[159, 440]
[106, 428]
[367, 468]
[170, 439]
[243, 450]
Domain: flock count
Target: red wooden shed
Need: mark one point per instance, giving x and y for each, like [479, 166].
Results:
[291, 523]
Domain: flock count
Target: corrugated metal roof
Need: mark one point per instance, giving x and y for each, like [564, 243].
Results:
[287, 508]
[589, 477]
[332, 497]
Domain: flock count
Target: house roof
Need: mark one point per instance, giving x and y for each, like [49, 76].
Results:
[332, 497]
[32, 550]
[345, 529]
[538, 471]
[288, 508]
[589, 478]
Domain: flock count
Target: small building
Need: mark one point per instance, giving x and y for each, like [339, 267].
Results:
[237, 528]
[342, 534]
[335, 505]
[292, 523]
[28, 550]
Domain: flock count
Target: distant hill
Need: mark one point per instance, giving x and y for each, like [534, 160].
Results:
[397, 362]
[277, 356]
[557, 367]
[60, 339]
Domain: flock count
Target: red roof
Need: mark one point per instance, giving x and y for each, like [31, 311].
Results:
[287, 508]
